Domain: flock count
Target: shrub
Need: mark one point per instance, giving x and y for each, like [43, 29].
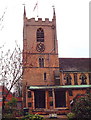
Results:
[71, 116]
[12, 102]
[82, 107]
[37, 117]
[8, 116]
[27, 117]
[33, 117]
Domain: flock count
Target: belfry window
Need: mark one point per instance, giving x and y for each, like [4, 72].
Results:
[41, 62]
[68, 78]
[83, 79]
[40, 35]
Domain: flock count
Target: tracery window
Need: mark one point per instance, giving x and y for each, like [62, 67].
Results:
[68, 78]
[41, 62]
[83, 79]
[40, 35]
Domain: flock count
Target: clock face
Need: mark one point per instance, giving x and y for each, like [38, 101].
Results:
[40, 47]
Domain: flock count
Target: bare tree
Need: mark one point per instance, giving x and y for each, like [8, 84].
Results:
[10, 69]
[2, 19]
[18, 89]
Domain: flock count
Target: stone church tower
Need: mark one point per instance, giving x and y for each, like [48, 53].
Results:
[40, 53]
[50, 84]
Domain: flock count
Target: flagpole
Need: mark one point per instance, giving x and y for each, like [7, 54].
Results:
[36, 7]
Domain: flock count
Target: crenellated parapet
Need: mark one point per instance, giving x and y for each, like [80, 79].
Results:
[35, 22]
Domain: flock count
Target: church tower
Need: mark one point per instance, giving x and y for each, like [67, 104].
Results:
[50, 84]
[40, 58]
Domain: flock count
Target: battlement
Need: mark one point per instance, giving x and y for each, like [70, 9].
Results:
[33, 21]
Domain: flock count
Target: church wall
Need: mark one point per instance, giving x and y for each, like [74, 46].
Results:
[76, 92]
[79, 81]
[35, 76]
[50, 60]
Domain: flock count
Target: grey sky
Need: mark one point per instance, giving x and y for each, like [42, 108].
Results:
[72, 23]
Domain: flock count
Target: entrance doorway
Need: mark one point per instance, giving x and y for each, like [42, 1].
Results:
[39, 99]
[60, 98]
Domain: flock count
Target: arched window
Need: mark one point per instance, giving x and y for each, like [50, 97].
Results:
[83, 79]
[40, 35]
[68, 78]
[41, 62]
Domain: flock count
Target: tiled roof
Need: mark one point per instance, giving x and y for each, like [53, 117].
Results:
[75, 64]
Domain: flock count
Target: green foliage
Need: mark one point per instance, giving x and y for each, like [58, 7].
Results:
[12, 102]
[82, 107]
[10, 110]
[37, 117]
[71, 116]
[33, 117]
[8, 115]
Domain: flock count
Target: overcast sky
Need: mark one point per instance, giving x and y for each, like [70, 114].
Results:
[72, 23]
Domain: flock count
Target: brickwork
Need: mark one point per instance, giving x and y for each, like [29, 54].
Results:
[50, 73]
[34, 75]
[79, 81]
